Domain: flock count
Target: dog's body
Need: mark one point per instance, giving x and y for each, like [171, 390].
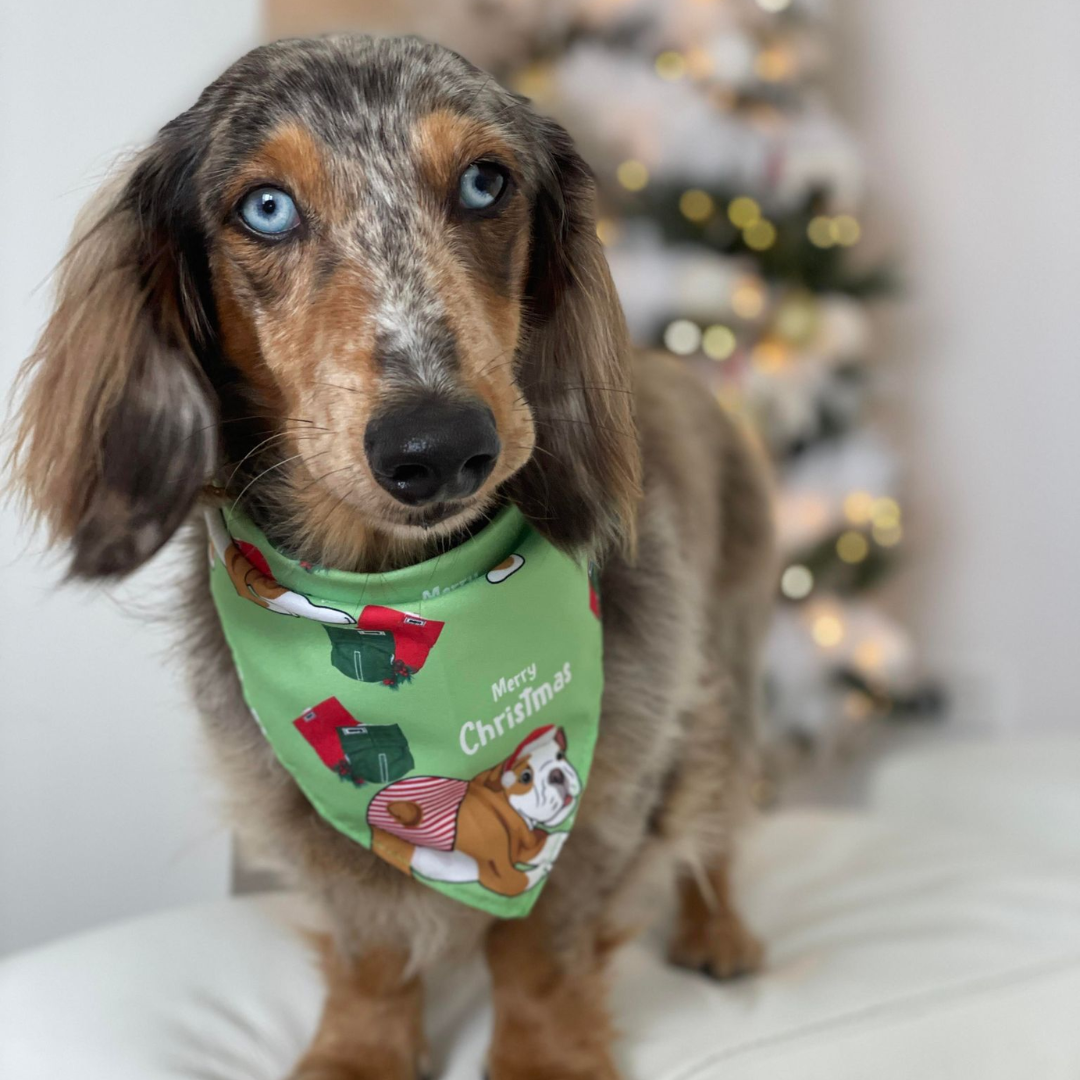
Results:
[530, 329]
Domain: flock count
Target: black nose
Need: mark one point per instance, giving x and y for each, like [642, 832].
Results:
[432, 450]
[556, 777]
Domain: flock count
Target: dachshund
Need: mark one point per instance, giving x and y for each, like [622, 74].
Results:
[357, 289]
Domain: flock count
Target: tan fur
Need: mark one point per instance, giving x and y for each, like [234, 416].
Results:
[371, 1026]
[550, 1016]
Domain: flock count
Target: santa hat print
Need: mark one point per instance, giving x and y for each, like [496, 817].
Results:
[542, 735]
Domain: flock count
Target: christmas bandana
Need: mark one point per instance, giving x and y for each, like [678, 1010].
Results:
[443, 716]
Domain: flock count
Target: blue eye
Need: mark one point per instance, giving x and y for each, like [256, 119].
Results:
[269, 211]
[481, 186]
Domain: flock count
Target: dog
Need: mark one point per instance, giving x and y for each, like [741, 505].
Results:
[357, 290]
[483, 830]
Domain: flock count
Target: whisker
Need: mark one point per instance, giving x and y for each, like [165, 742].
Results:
[248, 485]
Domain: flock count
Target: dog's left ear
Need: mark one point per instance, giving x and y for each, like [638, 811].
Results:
[119, 425]
[581, 487]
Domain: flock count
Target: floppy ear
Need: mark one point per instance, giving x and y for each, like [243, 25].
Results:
[492, 778]
[582, 484]
[117, 434]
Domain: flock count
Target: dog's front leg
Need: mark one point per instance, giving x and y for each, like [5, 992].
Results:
[371, 1026]
[550, 1014]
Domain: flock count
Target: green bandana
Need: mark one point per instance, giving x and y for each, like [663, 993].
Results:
[443, 716]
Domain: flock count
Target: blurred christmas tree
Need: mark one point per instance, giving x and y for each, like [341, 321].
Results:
[729, 197]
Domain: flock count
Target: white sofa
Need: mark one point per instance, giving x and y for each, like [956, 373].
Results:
[935, 934]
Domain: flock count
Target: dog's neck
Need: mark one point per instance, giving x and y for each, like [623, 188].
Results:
[337, 536]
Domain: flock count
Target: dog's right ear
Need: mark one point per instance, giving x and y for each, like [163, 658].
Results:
[118, 428]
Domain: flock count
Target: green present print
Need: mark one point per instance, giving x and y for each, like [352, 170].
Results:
[365, 655]
[377, 754]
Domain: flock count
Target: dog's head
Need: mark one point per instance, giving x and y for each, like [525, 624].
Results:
[357, 284]
[539, 781]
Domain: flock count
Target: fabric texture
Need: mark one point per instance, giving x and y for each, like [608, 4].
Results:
[395, 699]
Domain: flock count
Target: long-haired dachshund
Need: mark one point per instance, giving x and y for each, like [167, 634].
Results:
[357, 289]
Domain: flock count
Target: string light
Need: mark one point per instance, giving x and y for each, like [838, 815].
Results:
[682, 337]
[797, 582]
[870, 655]
[671, 65]
[760, 236]
[632, 174]
[770, 355]
[858, 505]
[608, 231]
[825, 232]
[846, 230]
[699, 63]
[743, 212]
[748, 298]
[887, 536]
[852, 547]
[820, 232]
[885, 513]
[697, 205]
[774, 64]
[828, 631]
[719, 342]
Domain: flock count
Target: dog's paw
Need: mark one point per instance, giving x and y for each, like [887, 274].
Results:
[723, 948]
[544, 1070]
[361, 1070]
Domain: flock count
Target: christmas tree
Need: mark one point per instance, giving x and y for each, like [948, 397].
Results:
[729, 198]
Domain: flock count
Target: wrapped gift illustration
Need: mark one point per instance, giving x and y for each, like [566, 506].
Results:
[362, 753]
[386, 646]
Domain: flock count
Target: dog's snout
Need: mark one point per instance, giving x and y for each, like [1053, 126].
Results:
[432, 450]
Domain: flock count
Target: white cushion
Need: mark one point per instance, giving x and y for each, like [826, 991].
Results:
[902, 945]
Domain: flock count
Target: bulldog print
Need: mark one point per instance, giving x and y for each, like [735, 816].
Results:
[252, 578]
[486, 829]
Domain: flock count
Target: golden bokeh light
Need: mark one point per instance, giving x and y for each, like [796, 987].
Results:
[632, 174]
[760, 236]
[608, 231]
[671, 65]
[797, 318]
[820, 232]
[719, 342]
[846, 230]
[770, 355]
[743, 212]
[748, 298]
[827, 630]
[888, 535]
[870, 655]
[776, 63]
[699, 63]
[697, 205]
[885, 513]
[858, 506]
[852, 547]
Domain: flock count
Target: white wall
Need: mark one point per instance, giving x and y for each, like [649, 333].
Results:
[968, 111]
[105, 809]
